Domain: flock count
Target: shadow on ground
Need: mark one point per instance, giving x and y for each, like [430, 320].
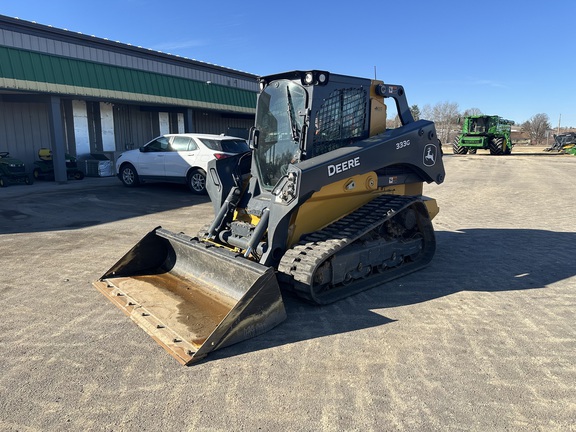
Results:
[52, 207]
[484, 260]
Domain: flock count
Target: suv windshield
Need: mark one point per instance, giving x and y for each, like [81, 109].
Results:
[279, 119]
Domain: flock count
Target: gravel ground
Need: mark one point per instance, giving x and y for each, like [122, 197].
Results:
[483, 339]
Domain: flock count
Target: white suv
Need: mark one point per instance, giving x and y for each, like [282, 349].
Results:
[180, 158]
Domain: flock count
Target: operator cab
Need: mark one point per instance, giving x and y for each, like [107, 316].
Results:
[294, 122]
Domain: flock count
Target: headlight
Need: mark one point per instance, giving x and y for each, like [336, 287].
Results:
[315, 78]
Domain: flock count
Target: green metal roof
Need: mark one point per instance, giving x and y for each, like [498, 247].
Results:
[33, 71]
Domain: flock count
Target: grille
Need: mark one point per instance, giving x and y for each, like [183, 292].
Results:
[17, 169]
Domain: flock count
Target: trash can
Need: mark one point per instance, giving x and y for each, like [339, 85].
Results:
[98, 165]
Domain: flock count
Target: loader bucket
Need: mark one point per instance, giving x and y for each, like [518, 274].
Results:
[193, 297]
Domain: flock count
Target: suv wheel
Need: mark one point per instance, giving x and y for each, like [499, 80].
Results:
[197, 181]
[129, 176]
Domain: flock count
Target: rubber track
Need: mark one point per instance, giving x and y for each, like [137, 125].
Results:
[302, 260]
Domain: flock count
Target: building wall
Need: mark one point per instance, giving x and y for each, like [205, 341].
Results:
[114, 96]
[164, 119]
[133, 127]
[24, 129]
[107, 115]
[36, 72]
[81, 134]
[113, 54]
[217, 123]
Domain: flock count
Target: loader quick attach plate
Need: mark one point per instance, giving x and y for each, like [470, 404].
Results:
[193, 297]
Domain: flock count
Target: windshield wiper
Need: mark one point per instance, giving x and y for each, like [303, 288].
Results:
[292, 115]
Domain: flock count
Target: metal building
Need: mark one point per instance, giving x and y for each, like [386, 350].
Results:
[82, 95]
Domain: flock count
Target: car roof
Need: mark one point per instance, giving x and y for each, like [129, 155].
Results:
[208, 136]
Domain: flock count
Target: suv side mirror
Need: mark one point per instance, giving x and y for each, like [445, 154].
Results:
[253, 137]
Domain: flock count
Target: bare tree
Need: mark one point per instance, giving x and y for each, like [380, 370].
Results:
[536, 127]
[426, 112]
[393, 123]
[445, 115]
[471, 112]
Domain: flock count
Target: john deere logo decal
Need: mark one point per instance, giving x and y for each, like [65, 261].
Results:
[430, 153]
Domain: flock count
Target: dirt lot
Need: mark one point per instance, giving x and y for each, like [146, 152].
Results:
[483, 339]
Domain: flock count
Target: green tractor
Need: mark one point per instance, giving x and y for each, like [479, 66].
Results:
[13, 171]
[484, 132]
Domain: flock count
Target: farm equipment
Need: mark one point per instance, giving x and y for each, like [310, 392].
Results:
[563, 143]
[328, 203]
[13, 171]
[484, 132]
[44, 168]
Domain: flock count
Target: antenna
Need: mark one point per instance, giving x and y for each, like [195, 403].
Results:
[375, 72]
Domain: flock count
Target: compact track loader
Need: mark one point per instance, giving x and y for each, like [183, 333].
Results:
[328, 203]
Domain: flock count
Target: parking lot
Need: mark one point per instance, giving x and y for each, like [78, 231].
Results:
[483, 339]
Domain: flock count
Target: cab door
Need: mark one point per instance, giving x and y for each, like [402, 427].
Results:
[183, 155]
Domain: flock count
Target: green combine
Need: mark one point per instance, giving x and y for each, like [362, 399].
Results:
[484, 132]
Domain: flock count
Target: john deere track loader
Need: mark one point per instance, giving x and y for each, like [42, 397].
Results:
[328, 203]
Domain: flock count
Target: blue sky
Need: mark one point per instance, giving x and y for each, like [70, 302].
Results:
[510, 58]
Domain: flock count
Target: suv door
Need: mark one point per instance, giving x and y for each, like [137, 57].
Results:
[152, 156]
[182, 156]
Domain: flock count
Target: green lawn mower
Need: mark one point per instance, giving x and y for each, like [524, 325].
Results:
[44, 168]
[13, 171]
